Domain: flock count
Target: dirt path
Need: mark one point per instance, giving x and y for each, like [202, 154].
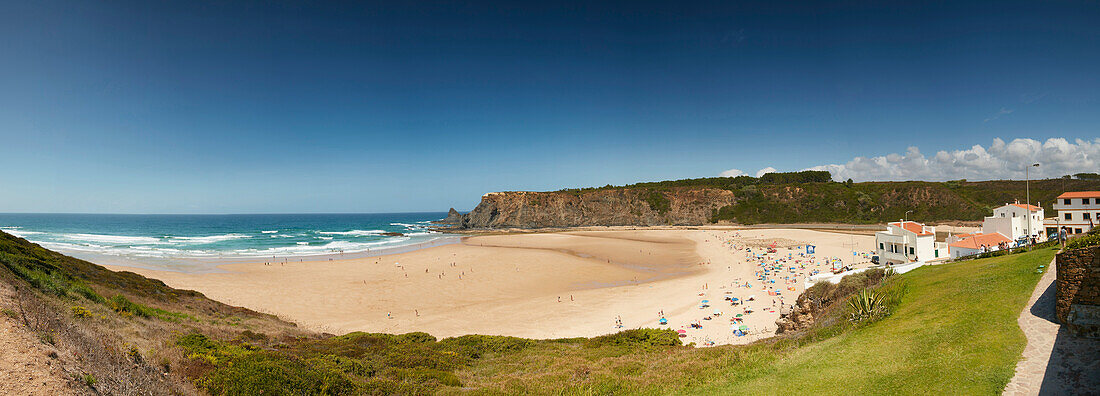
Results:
[26, 367]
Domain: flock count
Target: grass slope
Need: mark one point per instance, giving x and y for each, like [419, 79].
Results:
[955, 328]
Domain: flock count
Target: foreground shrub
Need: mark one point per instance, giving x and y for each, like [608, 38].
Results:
[81, 312]
[637, 338]
[1090, 239]
[867, 304]
[124, 306]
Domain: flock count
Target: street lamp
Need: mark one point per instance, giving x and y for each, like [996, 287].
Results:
[1027, 187]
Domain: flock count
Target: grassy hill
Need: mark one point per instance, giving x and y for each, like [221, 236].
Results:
[950, 326]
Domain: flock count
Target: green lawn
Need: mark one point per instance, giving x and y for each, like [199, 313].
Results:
[954, 329]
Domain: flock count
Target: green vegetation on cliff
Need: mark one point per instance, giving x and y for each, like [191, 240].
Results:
[812, 197]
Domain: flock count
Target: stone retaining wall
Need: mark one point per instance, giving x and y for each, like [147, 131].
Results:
[1078, 297]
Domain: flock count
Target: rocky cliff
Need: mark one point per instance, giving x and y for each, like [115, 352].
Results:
[605, 207]
[798, 197]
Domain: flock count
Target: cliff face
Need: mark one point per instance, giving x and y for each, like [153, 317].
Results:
[685, 206]
[749, 200]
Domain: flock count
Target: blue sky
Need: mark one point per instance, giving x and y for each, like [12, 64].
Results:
[244, 107]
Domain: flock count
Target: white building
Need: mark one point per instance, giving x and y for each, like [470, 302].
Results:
[1016, 221]
[1077, 212]
[903, 242]
[968, 244]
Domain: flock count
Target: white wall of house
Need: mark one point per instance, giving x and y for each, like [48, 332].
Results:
[1012, 222]
[957, 252]
[898, 245]
[1076, 215]
[1011, 227]
[926, 248]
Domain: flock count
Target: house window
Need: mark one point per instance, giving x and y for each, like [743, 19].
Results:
[1085, 216]
[1013, 214]
[1084, 201]
[937, 252]
[1069, 216]
[911, 251]
[881, 246]
[1067, 201]
[1076, 230]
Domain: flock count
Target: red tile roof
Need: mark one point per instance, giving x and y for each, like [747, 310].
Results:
[913, 227]
[1032, 208]
[1080, 194]
[975, 242]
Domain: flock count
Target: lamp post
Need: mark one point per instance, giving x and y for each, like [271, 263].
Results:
[1027, 187]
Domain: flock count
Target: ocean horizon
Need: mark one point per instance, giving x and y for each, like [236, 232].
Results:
[158, 239]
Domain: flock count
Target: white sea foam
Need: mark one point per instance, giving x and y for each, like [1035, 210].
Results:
[325, 238]
[352, 232]
[270, 232]
[115, 239]
[409, 226]
[303, 243]
[18, 232]
[328, 248]
[209, 239]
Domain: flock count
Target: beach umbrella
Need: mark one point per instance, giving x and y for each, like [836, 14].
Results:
[681, 331]
[705, 301]
[743, 327]
[735, 299]
[738, 315]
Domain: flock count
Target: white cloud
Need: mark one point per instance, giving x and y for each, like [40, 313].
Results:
[731, 173]
[1056, 156]
[765, 171]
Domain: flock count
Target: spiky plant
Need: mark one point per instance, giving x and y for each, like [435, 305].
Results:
[866, 304]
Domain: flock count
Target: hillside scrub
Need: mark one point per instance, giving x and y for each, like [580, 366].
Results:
[775, 198]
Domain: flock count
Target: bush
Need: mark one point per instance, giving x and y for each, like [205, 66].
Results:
[124, 306]
[865, 305]
[476, 346]
[658, 202]
[639, 338]
[1090, 239]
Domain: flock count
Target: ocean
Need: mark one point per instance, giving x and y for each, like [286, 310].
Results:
[185, 242]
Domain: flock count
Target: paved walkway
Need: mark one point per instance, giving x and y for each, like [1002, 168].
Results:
[1054, 362]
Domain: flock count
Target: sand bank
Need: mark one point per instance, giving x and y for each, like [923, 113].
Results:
[543, 285]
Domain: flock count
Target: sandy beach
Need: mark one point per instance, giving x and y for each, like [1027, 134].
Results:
[543, 285]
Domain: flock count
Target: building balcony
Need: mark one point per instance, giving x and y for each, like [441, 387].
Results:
[1076, 206]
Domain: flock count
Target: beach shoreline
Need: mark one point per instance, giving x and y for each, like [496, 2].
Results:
[535, 285]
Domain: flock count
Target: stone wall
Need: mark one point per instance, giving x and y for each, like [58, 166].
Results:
[1078, 297]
